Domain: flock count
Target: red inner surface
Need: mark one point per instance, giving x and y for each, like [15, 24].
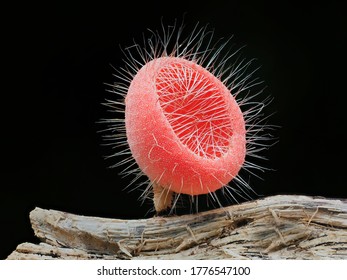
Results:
[195, 109]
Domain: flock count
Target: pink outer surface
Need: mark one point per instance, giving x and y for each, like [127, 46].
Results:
[159, 152]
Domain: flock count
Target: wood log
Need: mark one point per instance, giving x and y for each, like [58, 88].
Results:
[276, 227]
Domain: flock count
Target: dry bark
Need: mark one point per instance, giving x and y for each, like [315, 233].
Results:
[277, 227]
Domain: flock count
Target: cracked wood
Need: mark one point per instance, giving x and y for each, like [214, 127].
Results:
[277, 227]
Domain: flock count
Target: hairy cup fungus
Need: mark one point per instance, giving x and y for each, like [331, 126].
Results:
[183, 124]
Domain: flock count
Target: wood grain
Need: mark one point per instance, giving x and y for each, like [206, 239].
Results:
[276, 227]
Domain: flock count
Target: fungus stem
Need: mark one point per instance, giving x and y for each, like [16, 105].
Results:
[162, 198]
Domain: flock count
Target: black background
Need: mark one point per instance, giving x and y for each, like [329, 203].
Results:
[56, 59]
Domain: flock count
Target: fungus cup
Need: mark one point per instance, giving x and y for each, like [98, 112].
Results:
[183, 124]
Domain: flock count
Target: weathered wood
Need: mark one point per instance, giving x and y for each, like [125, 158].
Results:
[277, 227]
